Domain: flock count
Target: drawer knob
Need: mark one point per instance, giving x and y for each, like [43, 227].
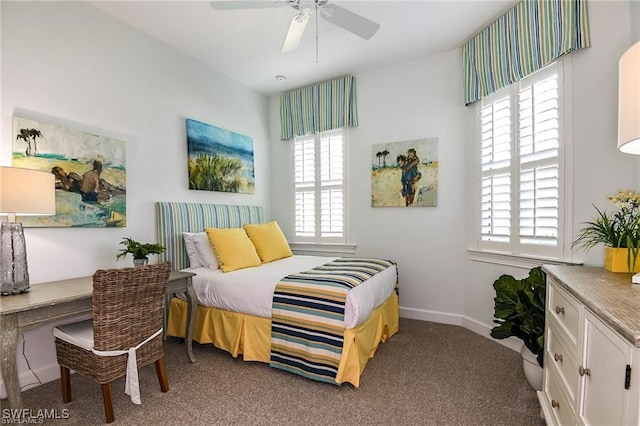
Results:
[557, 357]
[559, 310]
[584, 371]
[555, 404]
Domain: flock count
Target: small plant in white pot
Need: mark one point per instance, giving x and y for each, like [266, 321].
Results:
[519, 312]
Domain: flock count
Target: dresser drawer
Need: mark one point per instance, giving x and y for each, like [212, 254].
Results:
[565, 310]
[561, 359]
[558, 405]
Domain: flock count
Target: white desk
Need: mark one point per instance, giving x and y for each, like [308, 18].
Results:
[56, 300]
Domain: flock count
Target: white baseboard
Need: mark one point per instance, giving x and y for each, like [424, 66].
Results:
[463, 321]
[29, 379]
[434, 316]
[485, 330]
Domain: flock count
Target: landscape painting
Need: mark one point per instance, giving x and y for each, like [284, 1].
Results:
[219, 160]
[405, 174]
[89, 170]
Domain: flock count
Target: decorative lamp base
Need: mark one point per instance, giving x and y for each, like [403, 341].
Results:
[14, 274]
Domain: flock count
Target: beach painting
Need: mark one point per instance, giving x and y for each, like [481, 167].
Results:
[405, 174]
[90, 172]
[219, 160]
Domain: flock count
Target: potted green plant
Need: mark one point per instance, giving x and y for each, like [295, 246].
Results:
[519, 312]
[139, 251]
[619, 231]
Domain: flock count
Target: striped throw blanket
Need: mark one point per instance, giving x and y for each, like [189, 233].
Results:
[307, 323]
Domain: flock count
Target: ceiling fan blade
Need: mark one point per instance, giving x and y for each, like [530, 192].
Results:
[296, 30]
[352, 22]
[257, 4]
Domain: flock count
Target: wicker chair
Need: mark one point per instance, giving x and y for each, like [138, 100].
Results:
[127, 311]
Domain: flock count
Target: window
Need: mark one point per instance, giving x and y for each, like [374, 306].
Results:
[319, 186]
[522, 185]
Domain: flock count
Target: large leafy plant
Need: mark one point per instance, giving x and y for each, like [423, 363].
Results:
[138, 250]
[519, 310]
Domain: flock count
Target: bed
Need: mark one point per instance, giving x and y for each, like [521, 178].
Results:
[370, 311]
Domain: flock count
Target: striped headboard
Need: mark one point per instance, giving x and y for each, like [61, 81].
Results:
[172, 219]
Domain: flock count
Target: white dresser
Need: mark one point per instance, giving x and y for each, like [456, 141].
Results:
[592, 348]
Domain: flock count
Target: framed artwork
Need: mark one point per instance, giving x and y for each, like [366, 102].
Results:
[405, 174]
[219, 160]
[90, 171]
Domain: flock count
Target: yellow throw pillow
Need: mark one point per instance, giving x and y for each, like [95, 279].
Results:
[269, 241]
[233, 248]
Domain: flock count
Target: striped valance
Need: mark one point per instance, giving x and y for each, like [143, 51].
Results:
[318, 108]
[525, 39]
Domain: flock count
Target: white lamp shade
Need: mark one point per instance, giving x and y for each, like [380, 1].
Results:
[27, 192]
[629, 101]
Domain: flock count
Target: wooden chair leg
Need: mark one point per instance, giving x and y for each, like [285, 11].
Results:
[65, 379]
[108, 404]
[162, 375]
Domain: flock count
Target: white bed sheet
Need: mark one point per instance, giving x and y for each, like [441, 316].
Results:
[250, 290]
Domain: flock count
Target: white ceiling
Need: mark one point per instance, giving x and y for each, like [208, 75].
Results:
[245, 44]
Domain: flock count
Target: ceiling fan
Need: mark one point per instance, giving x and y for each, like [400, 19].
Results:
[343, 18]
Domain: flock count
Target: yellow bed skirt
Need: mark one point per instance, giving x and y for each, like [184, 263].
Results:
[251, 336]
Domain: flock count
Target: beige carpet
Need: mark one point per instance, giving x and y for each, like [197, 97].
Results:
[427, 374]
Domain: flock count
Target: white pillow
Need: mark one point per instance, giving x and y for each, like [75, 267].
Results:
[190, 247]
[204, 251]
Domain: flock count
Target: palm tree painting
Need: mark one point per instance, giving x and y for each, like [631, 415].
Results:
[89, 170]
[28, 135]
[409, 181]
[218, 159]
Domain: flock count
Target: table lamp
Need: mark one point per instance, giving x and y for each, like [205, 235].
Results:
[23, 192]
[629, 101]
[629, 107]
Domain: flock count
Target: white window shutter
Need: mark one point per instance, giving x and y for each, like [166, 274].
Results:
[495, 139]
[520, 167]
[538, 129]
[319, 187]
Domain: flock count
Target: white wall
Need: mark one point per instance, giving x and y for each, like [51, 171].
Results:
[423, 98]
[70, 64]
[412, 100]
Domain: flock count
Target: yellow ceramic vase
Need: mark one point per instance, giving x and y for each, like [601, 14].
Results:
[616, 260]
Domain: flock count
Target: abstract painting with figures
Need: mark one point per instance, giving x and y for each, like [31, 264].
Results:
[90, 172]
[405, 174]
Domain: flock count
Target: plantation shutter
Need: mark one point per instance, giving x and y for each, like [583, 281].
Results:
[319, 187]
[539, 134]
[520, 166]
[331, 184]
[305, 178]
[495, 157]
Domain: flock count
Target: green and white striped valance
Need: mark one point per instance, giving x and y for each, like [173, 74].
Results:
[525, 39]
[318, 108]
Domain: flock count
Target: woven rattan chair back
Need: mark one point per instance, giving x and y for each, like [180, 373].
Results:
[128, 307]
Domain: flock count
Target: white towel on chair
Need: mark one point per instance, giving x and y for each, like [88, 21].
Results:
[81, 334]
[132, 385]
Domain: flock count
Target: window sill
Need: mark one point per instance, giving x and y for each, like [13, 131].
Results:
[313, 248]
[517, 260]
